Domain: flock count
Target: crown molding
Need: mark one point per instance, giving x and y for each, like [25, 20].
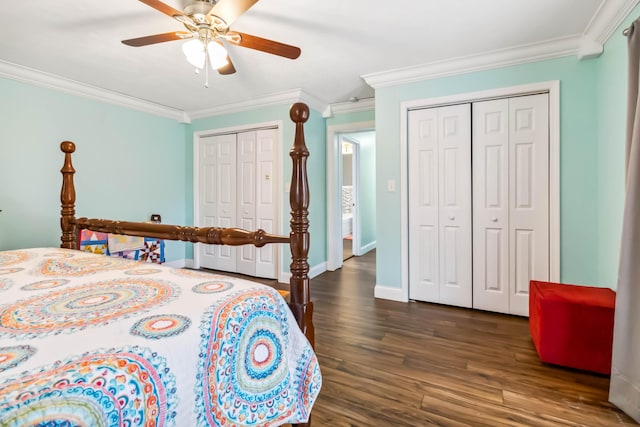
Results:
[589, 48]
[312, 101]
[279, 98]
[50, 81]
[590, 44]
[607, 18]
[556, 48]
[355, 106]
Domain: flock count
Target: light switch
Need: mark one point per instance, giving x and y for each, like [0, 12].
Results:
[391, 185]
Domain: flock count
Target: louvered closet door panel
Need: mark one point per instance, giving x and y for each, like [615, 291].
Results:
[208, 155]
[265, 199]
[454, 178]
[529, 196]
[424, 278]
[246, 196]
[491, 205]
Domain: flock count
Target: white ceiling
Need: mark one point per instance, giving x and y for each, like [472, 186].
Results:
[341, 41]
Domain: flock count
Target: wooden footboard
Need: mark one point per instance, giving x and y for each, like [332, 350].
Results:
[300, 303]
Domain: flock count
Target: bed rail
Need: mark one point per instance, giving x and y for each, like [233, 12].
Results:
[300, 298]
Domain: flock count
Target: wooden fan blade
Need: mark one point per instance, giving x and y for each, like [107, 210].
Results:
[161, 7]
[227, 69]
[157, 38]
[230, 10]
[265, 45]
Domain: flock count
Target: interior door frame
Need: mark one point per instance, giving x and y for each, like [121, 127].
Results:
[551, 87]
[334, 188]
[278, 185]
[355, 184]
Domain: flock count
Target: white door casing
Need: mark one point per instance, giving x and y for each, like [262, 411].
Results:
[440, 205]
[334, 188]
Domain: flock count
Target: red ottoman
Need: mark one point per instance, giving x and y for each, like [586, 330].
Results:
[572, 325]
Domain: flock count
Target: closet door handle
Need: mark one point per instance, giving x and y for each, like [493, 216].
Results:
[494, 219]
[451, 217]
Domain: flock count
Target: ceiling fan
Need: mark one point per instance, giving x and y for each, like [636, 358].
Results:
[207, 24]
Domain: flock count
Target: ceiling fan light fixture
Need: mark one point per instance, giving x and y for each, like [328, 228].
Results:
[217, 55]
[194, 52]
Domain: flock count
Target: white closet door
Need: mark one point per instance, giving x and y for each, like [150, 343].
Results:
[246, 207]
[218, 197]
[265, 265]
[424, 264]
[208, 196]
[455, 205]
[511, 201]
[491, 205]
[528, 197]
[440, 205]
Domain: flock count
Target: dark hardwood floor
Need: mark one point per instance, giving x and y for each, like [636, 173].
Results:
[387, 363]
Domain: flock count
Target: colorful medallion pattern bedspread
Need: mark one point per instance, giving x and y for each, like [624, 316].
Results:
[87, 340]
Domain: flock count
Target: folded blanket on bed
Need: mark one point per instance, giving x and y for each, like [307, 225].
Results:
[119, 243]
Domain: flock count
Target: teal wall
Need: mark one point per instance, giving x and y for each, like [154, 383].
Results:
[315, 137]
[612, 97]
[578, 156]
[129, 165]
[134, 158]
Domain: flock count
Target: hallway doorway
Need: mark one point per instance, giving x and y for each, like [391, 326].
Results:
[351, 192]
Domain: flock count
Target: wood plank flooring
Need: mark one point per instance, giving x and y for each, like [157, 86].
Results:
[386, 363]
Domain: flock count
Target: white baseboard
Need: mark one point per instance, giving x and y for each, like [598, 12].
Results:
[180, 263]
[284, 277]
[317, 269]
[314, 271]
[387, 292]
[368, 247]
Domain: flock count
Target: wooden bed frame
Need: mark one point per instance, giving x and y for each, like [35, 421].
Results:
[300, 298]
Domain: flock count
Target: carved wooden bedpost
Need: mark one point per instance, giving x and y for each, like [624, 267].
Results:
[68, 199]
[300, 300]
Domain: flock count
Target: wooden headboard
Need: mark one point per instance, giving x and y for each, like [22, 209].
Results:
[298, 239]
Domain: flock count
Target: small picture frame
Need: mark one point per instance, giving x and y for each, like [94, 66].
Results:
[156, 218]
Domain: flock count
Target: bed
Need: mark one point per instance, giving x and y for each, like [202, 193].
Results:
[89, 340]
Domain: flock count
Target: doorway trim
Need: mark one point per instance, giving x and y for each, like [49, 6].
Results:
[355, 183]
[553, 89]
[334, 189]
[197, 136]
